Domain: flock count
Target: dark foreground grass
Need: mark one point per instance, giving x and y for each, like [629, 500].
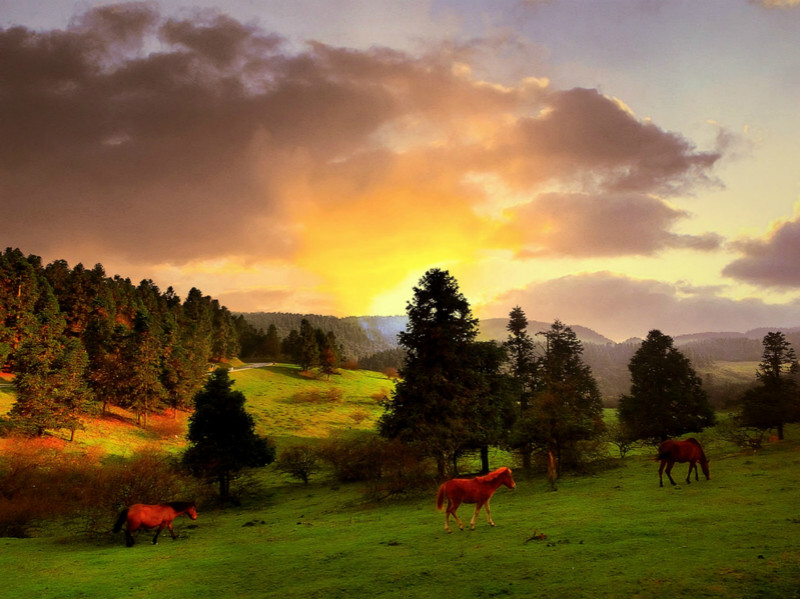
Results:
[612, 535]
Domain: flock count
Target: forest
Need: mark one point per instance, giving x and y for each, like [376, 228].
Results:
[78, 341]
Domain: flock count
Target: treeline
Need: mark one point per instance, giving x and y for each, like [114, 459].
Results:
[359, 336]
[78, 340]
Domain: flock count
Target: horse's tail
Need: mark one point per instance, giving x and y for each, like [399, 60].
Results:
[441, 495]
[123, 516]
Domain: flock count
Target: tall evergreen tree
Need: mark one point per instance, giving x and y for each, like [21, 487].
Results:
[272, 344]
[309, 347]
[667, 398]
[222, 435]
[566, 407]
[51, 390]
[147, 391]
[776, 400]
[524, 371]
[431, 404]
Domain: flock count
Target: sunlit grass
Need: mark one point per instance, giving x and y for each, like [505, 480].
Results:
[610, 534]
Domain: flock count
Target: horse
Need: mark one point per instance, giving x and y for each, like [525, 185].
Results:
[471, 490]
[158, 516]
[689, 450]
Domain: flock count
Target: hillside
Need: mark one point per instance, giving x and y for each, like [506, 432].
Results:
[366, 336]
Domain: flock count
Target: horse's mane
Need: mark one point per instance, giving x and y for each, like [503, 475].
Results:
[487, 478]
[694, 441]
[180, 505]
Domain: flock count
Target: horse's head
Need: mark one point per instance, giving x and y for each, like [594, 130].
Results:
[192, 512]
[704, 466]
[507, 479]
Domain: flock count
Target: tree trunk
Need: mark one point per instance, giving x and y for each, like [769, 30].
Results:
[485, 459]
[526, 457]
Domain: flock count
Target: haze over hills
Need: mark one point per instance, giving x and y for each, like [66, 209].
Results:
[365, 335]
[372, 340]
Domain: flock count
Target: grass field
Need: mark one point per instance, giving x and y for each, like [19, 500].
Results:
[614, 534]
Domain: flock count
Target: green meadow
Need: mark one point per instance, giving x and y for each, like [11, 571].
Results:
[610, 534]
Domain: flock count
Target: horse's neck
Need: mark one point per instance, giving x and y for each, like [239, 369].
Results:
[494, 484]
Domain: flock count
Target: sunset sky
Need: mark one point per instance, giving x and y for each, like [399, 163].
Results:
[620, 164]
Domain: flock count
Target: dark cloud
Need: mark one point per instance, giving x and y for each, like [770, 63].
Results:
[603, 225]
[773, 261]
[587, 137]
[159, 140]
[630, 307]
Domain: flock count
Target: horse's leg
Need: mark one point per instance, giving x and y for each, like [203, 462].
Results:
[172, 532]
[158, 532]
[669, 472]
[689, 474]
[128, 537]
[478, 507]
[661, 473]
[696, 475]
[489, 513]
[451, 509]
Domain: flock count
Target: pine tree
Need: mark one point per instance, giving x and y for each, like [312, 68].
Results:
[51, 390]
[222, 435]
[566, 407]
[524, 371]
[775, 401]
[431, 404]
[667, 398]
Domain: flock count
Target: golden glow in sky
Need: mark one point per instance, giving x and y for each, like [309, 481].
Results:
[582, 164]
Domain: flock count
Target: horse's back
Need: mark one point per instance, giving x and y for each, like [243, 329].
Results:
[681, 451]
[464, 490]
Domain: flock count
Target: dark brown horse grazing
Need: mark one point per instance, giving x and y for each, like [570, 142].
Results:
[158, 516]
[689, 450]
[472, 490]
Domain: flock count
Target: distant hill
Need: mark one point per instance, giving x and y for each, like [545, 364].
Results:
[361, 336]
[364, 337]
[495, 328]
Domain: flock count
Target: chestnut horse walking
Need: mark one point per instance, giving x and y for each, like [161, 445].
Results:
[472, 490]
[689, 450]
[158, 516]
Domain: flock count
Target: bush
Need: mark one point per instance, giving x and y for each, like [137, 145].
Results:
[388, 467]
[330, 395]
[353, 457]
[39, 482]
[298, 461]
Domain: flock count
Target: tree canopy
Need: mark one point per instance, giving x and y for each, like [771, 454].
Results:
[667, 398]
[222, 434]
[775, 401]
[432, 404]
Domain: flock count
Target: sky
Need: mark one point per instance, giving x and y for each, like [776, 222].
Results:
[617, 164]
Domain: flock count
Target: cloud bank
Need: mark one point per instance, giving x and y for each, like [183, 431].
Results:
[147, 140]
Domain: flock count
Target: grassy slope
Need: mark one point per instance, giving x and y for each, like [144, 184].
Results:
[616, 534]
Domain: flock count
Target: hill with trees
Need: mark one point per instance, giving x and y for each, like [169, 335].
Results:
[78, 341]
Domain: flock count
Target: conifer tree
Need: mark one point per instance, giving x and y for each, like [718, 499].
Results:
[432, 403]
[667, 398]
[523, 366]
[776, 399]
[222, 434]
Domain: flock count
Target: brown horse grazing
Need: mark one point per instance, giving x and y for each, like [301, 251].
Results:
[689, 450]
[158, 516]
[472, 490]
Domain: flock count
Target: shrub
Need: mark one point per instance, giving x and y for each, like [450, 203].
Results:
[353, 457]
[39, 481]
[388, 467]
[298, 461]
[330, 395]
